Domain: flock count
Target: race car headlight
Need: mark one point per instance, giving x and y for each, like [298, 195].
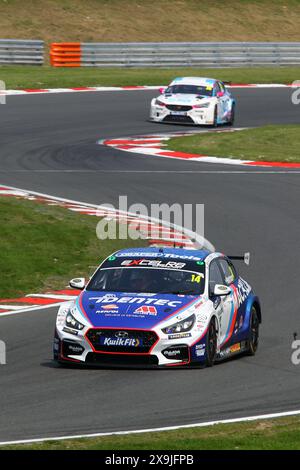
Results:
[180, 327]
[159, 103]
[204, 105]
[73, 323]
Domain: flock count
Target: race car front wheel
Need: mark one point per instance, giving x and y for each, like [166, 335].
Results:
[211, 344]
[253, 333]
[215, 123]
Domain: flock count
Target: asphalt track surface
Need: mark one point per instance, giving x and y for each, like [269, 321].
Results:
[48, 144]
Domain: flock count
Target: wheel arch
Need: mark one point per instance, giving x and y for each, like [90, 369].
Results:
[253, 301]
[217, 323]
[257, 306]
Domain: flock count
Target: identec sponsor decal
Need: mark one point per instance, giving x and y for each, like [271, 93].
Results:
[136, 300]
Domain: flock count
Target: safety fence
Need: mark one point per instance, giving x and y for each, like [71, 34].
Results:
[19, 51]
[185, 54]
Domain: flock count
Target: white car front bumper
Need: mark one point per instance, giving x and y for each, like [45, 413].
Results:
[197, 116]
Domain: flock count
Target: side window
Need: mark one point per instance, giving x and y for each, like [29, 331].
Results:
[216, 88]
[222, 87]
[228, 271]
[215, 276]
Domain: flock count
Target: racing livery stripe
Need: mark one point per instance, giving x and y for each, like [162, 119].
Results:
[182, 309]
[233, 314]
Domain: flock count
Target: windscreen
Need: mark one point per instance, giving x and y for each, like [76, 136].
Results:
[190, 89]
[150, 276]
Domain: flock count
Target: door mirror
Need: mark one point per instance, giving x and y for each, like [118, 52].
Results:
[220, 94]
[220, 289]
[77, 283]
[162, 90]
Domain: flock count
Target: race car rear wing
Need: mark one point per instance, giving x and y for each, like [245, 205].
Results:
[245, 257]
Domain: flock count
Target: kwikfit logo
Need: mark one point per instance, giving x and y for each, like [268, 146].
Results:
[127, 342]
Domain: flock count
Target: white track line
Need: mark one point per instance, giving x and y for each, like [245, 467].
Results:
[167, 428]
[11, 307]
[183, 235]
[203, 242]
[86, 89]
[30, 309]
[53, 296]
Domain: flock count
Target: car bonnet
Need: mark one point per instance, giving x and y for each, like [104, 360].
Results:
[182, 98]
[131, 310]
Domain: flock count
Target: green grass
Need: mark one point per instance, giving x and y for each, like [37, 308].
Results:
[43, 247]
[277, 434]
[269, 143]
[158, 20]
[18, 77]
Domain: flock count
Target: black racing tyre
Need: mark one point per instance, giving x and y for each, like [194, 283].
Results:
[215, 123]
[232, 117]
[211, 343]
[254, 332]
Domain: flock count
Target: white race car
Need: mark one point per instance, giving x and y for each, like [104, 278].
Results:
[194, 100]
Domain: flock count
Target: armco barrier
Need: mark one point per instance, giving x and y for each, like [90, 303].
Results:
[19, 51]
[185, 54]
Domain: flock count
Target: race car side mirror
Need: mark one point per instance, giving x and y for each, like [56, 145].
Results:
[220, 289]
[220, 94]
[77, 283]
[162, 90]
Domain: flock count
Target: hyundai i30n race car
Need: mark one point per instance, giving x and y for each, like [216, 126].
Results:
[194, 100]
[159, 307]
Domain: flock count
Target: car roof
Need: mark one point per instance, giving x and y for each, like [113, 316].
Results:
[163, 253]
[201, 81]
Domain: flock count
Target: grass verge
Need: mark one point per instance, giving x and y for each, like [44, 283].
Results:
[43, 247]
[18, 77]
[158, 20]
[277, 434]
[269, 143]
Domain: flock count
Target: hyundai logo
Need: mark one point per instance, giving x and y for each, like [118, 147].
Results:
[121, 334]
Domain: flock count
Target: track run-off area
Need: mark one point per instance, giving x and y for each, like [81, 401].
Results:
[49, 145]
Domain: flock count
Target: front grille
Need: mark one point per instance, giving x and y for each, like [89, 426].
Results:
[174, 118]
[178, 107]
[122, 341]
[112, 360]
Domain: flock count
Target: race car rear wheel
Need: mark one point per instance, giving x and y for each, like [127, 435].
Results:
[232, 116]
[254, 332]
[211, 344]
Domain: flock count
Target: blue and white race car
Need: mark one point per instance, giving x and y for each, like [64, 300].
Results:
[159, 307]
[194, 100]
